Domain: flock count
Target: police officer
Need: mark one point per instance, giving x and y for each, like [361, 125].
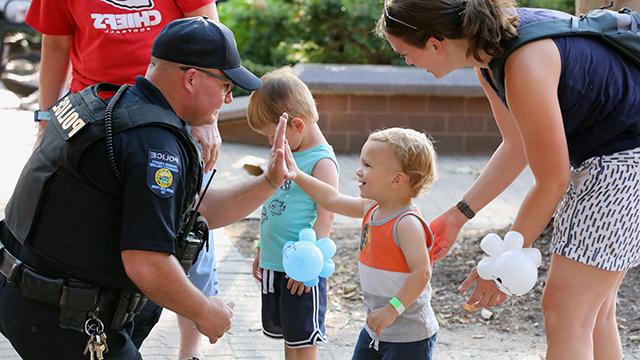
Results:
[101, 206]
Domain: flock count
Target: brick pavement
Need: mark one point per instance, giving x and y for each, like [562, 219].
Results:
[456, 173]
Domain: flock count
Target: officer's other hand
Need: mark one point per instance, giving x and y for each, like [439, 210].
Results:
[277, 171]
[208, 136]
[215, 320]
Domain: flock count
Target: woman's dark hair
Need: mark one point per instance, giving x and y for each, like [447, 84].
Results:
[483, 23]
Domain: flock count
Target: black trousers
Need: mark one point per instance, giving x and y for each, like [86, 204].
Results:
[32, 328]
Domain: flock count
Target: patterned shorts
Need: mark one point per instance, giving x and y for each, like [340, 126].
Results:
[597, 222]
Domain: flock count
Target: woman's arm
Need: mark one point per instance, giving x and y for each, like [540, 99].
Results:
[505, 165]
[532, 74]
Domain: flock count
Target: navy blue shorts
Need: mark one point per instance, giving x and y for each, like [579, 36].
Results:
[297, 319]
[367, 349]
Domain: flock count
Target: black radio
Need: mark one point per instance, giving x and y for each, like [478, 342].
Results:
[192, 239]
[194, 234]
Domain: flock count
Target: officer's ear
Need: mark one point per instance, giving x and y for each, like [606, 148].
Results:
[189, 80]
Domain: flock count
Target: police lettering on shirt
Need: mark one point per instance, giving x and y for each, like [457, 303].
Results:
[163, 171]
[68, 118]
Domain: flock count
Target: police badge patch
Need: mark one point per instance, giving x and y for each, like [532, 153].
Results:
[163, 171]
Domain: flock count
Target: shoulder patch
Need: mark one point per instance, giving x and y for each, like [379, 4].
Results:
[163, 172]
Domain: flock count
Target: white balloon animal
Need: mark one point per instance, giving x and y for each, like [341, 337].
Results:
[514, 269]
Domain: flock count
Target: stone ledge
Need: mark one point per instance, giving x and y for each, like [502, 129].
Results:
[386, 80]
[371, 80]
[236, 110]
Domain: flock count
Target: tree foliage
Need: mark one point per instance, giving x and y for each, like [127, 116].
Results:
[274, 33]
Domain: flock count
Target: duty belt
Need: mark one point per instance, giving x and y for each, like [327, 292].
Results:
[76, 300]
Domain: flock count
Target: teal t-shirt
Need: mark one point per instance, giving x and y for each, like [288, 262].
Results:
[289, 210]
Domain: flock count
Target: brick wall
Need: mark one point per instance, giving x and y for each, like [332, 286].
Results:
[354, 100]
[458, 124]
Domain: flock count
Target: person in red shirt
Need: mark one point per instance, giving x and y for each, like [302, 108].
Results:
[110, 41]
[107, 41]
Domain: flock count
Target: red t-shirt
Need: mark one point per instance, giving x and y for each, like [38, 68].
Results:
[111, 38]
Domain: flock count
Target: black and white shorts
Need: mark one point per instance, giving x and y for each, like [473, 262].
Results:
[297, 319]
[597, 222]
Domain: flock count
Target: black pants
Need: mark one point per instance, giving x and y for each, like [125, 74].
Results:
[144, 322]
[32, 328]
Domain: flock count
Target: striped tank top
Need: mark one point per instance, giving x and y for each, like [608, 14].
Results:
[383, 269]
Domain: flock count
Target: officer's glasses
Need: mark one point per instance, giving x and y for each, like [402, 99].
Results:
[226, 84]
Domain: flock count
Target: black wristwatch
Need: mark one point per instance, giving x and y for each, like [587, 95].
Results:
[40, 115]
[465, 209]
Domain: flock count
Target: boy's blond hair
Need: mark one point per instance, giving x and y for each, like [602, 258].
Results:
[281, 91]
[415, 153]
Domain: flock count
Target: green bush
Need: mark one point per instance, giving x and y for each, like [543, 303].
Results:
[567, 6]
[274, 33]
[286, 32]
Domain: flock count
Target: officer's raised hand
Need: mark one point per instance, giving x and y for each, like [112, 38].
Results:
[215, 320]
[277, 170]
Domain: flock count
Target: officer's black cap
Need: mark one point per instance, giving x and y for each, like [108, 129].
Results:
[201, 42]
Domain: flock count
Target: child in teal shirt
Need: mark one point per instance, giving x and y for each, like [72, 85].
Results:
[289, 309]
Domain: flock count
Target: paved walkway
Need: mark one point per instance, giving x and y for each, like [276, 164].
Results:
[456, 174]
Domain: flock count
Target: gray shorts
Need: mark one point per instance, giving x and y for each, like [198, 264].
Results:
[597, 222]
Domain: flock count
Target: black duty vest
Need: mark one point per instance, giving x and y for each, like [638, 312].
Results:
[52, 193]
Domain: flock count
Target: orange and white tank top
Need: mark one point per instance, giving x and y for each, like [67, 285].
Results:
[383, 269]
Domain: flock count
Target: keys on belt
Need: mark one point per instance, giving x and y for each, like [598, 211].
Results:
[97, 344]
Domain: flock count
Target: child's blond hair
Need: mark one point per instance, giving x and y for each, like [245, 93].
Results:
[281, 91]
[415, 153]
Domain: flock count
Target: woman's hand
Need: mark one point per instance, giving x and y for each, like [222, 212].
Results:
[485, 294]
[446, 228]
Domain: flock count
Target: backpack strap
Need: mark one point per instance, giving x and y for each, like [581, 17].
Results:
[599, 23]
[526, 34]
[635, 19]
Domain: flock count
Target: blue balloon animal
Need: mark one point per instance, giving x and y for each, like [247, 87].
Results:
[307, 260]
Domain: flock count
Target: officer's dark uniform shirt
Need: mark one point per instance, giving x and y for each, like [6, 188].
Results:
[152, 164]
